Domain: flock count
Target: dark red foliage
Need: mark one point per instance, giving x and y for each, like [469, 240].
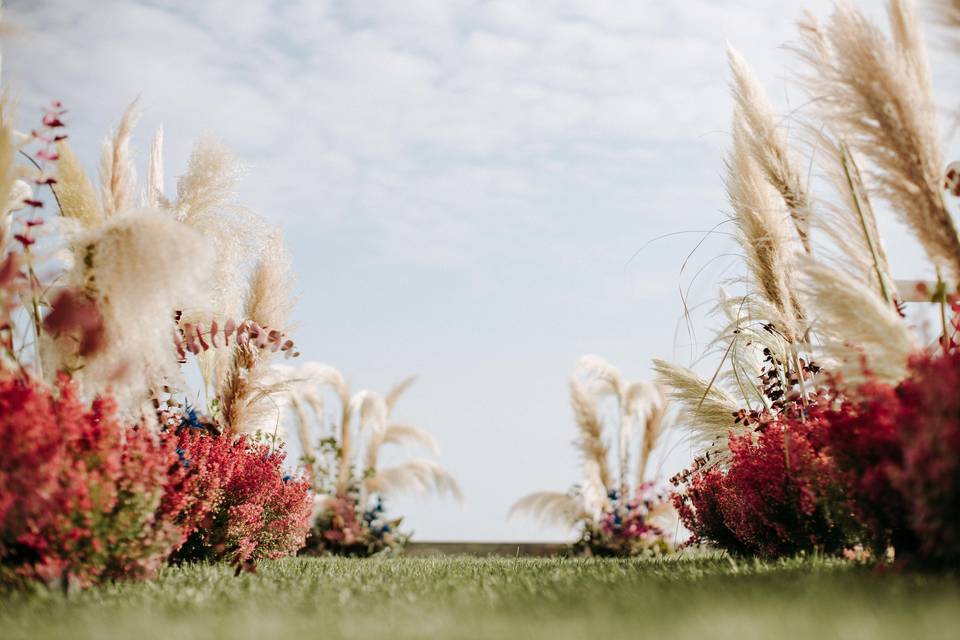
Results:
[777, 496]
[864, 440]
[700, 509]
[928, 474]
[78, 491]
[898, 451]
[236, 503]
[882, 470]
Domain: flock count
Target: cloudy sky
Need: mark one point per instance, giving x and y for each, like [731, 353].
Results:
[468, 188]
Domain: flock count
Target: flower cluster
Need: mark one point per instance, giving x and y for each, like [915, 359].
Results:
[777, 496]
[879, 471]
[80, 493]
[234, 500]
[627, 527]
[341, 528]
[113, 489]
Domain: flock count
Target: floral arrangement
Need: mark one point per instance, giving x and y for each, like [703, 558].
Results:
[105, 294]
[343, 466]
[627, 527]
[341, 529]
[612, 518]
[829, 425]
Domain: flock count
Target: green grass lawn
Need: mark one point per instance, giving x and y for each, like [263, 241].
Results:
[458, 597]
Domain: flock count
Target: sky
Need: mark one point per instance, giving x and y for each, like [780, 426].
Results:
[471, 191]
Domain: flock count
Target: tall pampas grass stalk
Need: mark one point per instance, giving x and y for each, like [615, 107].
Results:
[418, 475]
[590, 440]
[653, 422]
[640, 407]
[245, 395]
[304, 386]
[875, 91]
[153, 191]
[205, 201]
[117, 174]
[75, 192]
[209, 182]
[414, 476]
[762, 233]
[767, 145]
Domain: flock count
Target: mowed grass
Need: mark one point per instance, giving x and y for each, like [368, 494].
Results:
[461, 597]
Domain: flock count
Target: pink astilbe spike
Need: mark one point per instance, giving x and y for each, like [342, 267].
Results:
[275, 338]
[196, 338]
[189, 335]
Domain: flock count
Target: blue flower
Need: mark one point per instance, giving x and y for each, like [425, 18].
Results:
[191, 419]
[184, 460]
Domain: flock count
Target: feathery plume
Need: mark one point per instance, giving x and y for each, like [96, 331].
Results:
[414, 476]
[398, 390]
[204, 202]
[117, 174]
[408, 434]
[245, 395]
[849, 222]
[153, 194]
[8, 178]
[645, 401]
[948, 14]
[304, 384]
[705, 409]
[371, 412]
[590, 442]
[876, 94]
[209, 183]
[304, 436]
[760, 225]
[860, 334]
[270, 295]
[602, 376]
[75, 192]
[138, 268]
[550, 507]
[767, 145]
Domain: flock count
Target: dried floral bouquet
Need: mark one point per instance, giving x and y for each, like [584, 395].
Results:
[614, 514]
[105, 471]
[341, 454]
[829, 424]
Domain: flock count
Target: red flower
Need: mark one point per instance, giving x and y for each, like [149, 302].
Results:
[78, 491]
